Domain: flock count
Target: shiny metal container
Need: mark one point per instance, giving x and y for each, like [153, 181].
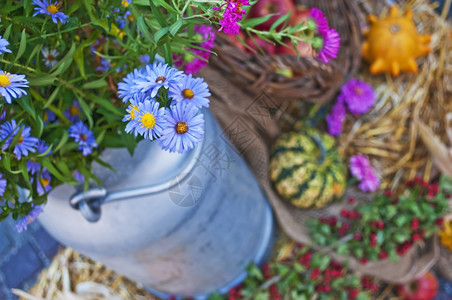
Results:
[181, 224]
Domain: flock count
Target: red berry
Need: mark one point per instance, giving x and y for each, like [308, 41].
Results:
[395, 201]
[273, 289]
[336, 273]
[383, 255]
[351, 200]
[353, 294]
[344, 213]
[327, 288]
[319, 289]
[276, 296]
[421, 233]
[388, 193]
[415, 224]
[381, 224]
[357, 237]
[315, 273]
[364, 260]
[332, 221]
[323, 220]
[439, 222]
[336, 265]
[416, 237]
[374, 287]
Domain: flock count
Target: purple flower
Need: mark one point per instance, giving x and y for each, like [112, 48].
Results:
[48, 116]
[79, 176]
[156, 76]
[232, 14]
[361, 169]
[370, 183]
[11, 84]
[33, 167]
[52, 9]
[73, 112]
[105, 65]
[128, 89]
[191, 63]
[184, 128]
[25, 143]
[192, 90]
[83, 136]
[329, 47]
[23, 223]
[336, 118]
[2, 185]
[358, 95]
[42, 147]
[43, 184]
[3, 44]
[320, 20]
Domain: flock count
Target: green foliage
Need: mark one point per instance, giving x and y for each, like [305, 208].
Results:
[387, 227]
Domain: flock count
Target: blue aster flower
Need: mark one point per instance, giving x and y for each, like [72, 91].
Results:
[73, 111]
[2, 185]
[23, 223]
[156, 76]
[25, 143]
[151, 119]
[79, 176]
[105, 65]
[132, 117]
[48, 116]
[33, 167]
[3, 44]
[83, 136]
[11, 84]
[192, 90]
[52, 9]
[43, 184]
[184, 128]
[42, 147]
[145, 59]
[128, 89]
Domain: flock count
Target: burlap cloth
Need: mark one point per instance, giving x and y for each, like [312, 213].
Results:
[251, 125]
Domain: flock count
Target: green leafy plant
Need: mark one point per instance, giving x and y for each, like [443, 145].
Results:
[387, 227]
[303, 274]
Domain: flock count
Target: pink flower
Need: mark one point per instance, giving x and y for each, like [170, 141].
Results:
[330, 47]
[361, 169]
[358, 95]
[320, 19]
[232, 14]
[191, 63]
[336, 118]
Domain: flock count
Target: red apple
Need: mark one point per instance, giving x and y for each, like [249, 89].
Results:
[302, 14]
[265, 46]
[265, 7]
[423, 288]
[304, 49]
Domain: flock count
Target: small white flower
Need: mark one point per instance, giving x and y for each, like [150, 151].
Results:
[49, 57]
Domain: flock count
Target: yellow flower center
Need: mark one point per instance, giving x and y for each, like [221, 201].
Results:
[53, 9]
[181, 127]
[125, 3]
[5, 79]
[45, 182]
[45, 116]
[188, 94]
[148, 120]
[74, 111]
[83, 137]
[20, 140]
[134, 110]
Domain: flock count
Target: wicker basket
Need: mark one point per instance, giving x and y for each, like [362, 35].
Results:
[312, 80]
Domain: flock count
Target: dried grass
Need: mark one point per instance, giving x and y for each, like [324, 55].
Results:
[71, 276]
[388, 133]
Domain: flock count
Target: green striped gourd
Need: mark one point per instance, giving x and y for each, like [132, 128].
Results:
[306, 168]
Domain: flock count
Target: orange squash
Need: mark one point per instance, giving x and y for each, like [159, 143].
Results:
[393, 43]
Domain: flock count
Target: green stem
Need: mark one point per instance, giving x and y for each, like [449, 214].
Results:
[18, 65]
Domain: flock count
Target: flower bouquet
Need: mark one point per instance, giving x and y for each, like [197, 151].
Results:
[78, 77]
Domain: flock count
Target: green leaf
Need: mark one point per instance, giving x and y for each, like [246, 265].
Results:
[22, 46]
[256, 21]
[53, 96]
[96, 84]
[280, 20]
[46, 163]
[174, 29]
[160, 33]
[40, 80]
[25, 103]
[157, 13]
[87, 111]
[62, 141]
[143, 28]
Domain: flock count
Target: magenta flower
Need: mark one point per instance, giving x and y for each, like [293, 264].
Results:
[336, 118]
[330, 46]
[191, 63]
[361, 169]
[232, 14]
[358, 95]
[320, 19]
